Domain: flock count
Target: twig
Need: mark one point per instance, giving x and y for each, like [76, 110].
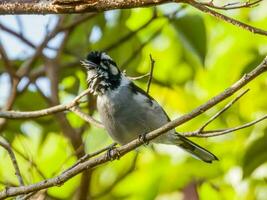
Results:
[222, 110]
[60, 179]
[231, 6]
[138, 77]
[86, 117]
[31, 161]
[8, 148]
[20, 25]
[136, 51]
[25, 67]
[130, 35]
[43, 112]
[227, 19]
[213, 133]
[151, 73]
[21, 37]
[87, 156]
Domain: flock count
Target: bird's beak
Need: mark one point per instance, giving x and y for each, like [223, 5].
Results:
[88, 64]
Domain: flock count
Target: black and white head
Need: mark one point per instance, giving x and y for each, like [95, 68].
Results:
[102, 72]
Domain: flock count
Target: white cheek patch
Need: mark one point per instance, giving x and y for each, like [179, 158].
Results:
[104, 56]
[90, 74]
[114, 70]
[103, 66]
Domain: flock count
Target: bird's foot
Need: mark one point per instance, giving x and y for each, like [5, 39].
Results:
[142, 138]
[113, 153]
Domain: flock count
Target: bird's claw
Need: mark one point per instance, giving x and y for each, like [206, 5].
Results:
[113, 153]
[142, 138]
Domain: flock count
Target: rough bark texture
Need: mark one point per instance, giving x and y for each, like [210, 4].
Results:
[70, 6]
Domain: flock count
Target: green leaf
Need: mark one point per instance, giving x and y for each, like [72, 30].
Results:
[192, 32]
[255, 156]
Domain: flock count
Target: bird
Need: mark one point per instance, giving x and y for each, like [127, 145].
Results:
[127, 111]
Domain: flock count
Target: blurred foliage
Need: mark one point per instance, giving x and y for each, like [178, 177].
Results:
[196, 57]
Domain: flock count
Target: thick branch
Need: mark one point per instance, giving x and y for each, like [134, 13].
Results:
[70, 6]
[59, 180]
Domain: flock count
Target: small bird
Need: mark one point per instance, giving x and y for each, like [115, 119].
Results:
[126, 111]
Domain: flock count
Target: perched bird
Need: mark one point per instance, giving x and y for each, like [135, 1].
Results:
[127, 111]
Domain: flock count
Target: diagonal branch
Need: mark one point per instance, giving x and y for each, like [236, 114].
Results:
[11, 154]
[232, 6]
[227, 19]
[223, 110]
[63, 177]
[214, 133]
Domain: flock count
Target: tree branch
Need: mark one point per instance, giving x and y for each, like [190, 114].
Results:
[70, 6]
[11, 154]
[227, 19]
[222, 110]
[150, 73]
[213, 133]
[43, 112]
[63, 177]
[232, 6]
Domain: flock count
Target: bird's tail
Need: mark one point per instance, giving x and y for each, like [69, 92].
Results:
[194, 149]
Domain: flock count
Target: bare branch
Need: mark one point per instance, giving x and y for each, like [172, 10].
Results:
[222, 110]
[11, 154]
[232, 6]
[69, 6]
[43, 112]
[86, 117]
[87, 156]
[150, 73]
[214, 133]
[227, 19]
[138, 77]
[63, 177]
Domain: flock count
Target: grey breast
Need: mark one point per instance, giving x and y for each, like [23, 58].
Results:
[126, 115]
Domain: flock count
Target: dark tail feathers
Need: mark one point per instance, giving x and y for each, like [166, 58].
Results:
[194, 149]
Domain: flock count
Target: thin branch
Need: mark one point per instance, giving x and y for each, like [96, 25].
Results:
[222, 110]
[130, 35]
[150, 73]
[6, 61]
[138, 77]
[31, 161]
[43, 112]
[88, 156]
[20, 25]
[21, 37]
[63, 177]
[86, 117]
[213, 133]
[136, 51]
[232, 6]
[11, 154]
[227, 19]
[25, 67]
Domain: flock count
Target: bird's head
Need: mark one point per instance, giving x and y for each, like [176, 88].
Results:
[102, 72]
